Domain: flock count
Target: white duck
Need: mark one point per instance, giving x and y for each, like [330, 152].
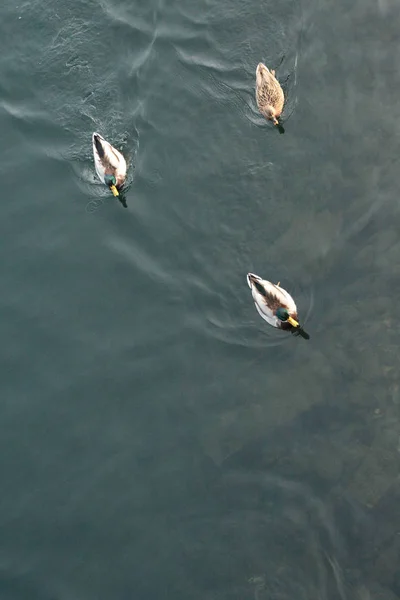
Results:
[275, 305]
[109, 162]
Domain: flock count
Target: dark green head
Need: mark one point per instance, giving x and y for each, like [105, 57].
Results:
[282, 313]
[110, 180]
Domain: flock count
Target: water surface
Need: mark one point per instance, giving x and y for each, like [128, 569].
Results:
[158, 440]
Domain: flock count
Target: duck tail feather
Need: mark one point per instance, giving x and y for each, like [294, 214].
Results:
[98, 144]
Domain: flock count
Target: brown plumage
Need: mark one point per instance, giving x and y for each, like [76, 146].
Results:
[269, 94]
[273, 301]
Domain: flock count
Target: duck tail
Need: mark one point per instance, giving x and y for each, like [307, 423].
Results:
[98, 144]
[251, 278]
[254, 280]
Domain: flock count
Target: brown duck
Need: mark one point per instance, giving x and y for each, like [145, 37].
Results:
[269, 94]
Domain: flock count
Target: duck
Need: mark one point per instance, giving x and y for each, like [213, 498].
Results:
[275, 305]
[269, 94]
[109, 163]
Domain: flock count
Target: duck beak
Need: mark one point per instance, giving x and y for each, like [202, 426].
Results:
[293, 322]
[114, 190]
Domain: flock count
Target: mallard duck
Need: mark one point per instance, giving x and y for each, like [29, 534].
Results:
[275, 305]
[269, 94]
[109, 162]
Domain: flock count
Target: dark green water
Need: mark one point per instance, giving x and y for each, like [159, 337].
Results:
[157, 439]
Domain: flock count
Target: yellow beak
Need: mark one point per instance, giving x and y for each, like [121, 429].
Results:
[293, 322]
[114, 190]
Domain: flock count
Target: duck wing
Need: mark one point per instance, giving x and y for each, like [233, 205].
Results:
[270, 93]
[286, 299]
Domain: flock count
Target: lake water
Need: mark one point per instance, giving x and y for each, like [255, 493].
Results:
[158, 440]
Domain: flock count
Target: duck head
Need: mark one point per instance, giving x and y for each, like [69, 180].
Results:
[284, 316]
[270, 113]
[111, 182]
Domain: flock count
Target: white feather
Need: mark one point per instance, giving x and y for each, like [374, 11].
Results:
[263, 309]
[112, 156]
[270, 318]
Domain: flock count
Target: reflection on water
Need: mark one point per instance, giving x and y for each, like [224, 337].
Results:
[158, 439]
